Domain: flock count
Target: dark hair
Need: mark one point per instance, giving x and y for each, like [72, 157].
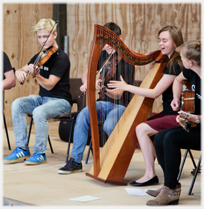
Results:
[114, 27]
[178, 40]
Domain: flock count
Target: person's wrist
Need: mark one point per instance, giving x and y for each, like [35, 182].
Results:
[197, 119]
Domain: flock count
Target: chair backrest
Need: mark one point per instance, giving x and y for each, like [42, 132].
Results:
[75, 84]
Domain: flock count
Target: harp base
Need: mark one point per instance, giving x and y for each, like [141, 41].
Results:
[107, 181]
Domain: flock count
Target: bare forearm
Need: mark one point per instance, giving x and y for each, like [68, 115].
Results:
[177, 89]
[49, 83]
[151, 93]
[84, 77]
[8, 84]
[10, 79]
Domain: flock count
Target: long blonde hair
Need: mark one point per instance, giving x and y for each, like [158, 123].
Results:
[178, 40]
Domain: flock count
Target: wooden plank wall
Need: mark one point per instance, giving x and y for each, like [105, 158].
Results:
[140, 24]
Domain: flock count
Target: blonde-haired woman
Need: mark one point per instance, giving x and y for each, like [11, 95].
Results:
[169, 142]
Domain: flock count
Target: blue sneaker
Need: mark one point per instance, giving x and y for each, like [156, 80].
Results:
[17, 155]
[36, 159]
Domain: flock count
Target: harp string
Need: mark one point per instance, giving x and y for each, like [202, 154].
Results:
[104, 36]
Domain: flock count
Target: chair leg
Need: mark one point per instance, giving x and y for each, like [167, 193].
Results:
[50, 145]
[192, 158]
[90, 147]
[195, 175]
[29, 132]
[69, 142]
[6, 131]
[181, 168]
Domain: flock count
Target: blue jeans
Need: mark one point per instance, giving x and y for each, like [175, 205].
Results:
[42, 109]
[107, 112]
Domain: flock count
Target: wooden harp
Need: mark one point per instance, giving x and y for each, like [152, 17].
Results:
[111, 163]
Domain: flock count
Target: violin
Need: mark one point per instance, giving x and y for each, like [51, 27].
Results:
[108, 69]
[43, 56]
[187, 105]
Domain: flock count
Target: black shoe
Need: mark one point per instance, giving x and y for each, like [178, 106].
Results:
[152, 181]
[70, 167]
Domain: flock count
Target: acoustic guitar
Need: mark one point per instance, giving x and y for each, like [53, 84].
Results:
[187, 104]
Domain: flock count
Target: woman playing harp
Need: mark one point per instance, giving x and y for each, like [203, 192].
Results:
[170, 37]
[110, 105]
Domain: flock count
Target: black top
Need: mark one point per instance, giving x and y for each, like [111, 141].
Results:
[167, 95]
[59, 65]
[195, 82]
[6, 67]
[122, 68]
[6, 64]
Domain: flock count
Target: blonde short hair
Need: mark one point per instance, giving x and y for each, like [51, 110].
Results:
[45, 24]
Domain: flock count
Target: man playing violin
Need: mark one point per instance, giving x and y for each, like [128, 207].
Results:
[110, 105]
[54, 96]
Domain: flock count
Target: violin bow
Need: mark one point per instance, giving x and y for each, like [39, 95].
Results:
[106, 62]
[39, 55]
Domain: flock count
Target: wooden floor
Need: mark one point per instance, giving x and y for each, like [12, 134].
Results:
[41, 185]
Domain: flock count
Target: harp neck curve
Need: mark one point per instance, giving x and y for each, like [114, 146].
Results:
[104, 36]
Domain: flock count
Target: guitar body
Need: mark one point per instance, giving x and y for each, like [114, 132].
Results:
[187, 104]
[188, 101]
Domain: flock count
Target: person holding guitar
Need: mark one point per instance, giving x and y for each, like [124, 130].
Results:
[54, 96]
[169, 142]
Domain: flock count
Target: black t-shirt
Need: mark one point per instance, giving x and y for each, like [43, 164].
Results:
[59, 65]
[6, 64]
[167, 95]
[195, 82]
[122, 68]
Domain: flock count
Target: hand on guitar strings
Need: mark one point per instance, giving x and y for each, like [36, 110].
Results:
[182, 119]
